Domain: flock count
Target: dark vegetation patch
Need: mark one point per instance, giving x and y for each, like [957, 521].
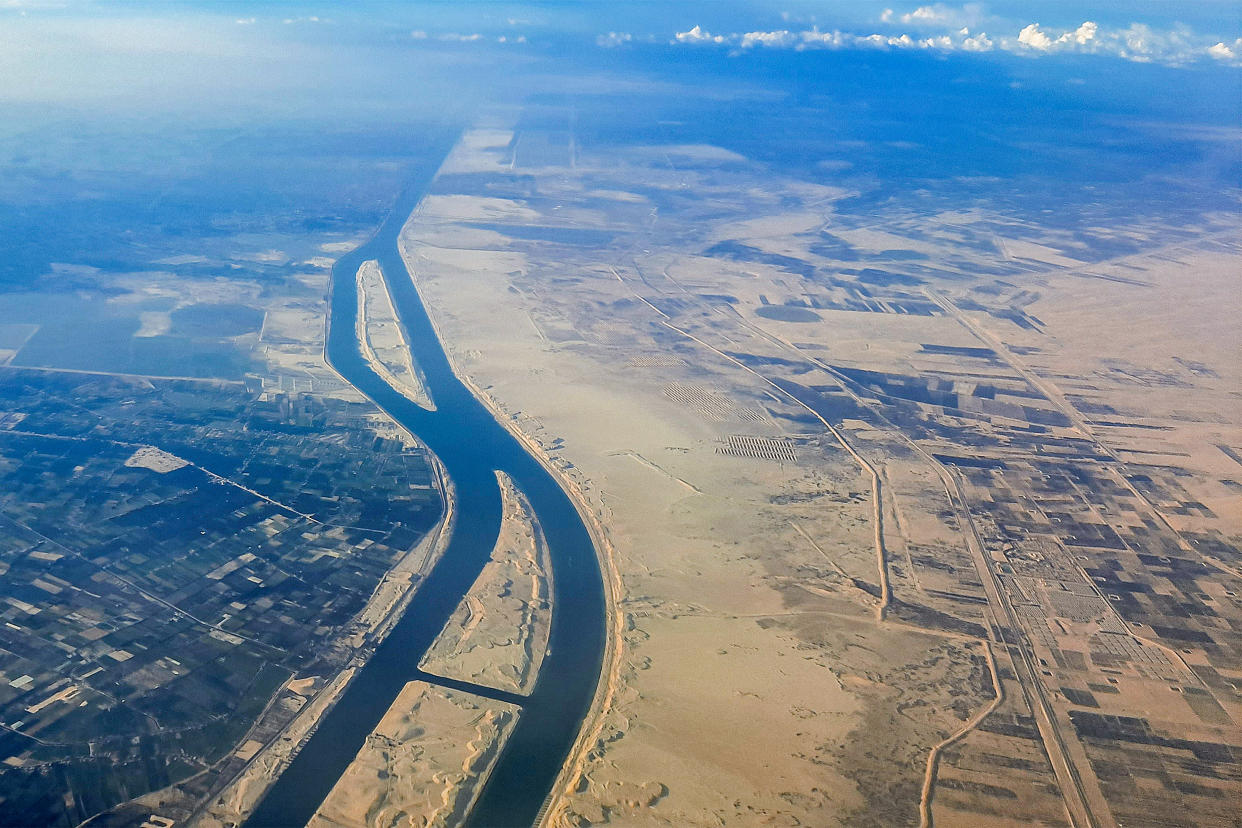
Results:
[935, 619]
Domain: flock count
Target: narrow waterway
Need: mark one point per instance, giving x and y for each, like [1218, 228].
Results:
[472, 445]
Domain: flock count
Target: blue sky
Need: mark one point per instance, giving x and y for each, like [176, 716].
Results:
[1122, 98]
[169, 54]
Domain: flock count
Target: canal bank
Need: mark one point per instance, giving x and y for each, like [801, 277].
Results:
[471, 444]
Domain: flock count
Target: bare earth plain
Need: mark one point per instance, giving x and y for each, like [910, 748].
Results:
[911, 524]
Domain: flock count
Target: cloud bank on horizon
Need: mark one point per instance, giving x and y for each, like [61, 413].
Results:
[968, 28]
[972, 27]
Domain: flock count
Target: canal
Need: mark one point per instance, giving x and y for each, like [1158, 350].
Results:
[472, 445]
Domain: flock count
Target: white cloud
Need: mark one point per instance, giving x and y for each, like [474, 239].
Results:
[1035, 38]
[938, 13]
[697, 35]
[473, 37]
[877, 41]
[1083, 35]
[1138, 42]
[1143, 44]
[613, 39]
[775, 39]
[1221, 51]
[943, 42]
[977, 43]
[823, 40]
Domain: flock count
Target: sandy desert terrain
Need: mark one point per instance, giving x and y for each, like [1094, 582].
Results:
[802, 470]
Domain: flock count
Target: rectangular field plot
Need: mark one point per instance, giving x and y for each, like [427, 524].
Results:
[708, 404]
[655, 361]
[761, 448]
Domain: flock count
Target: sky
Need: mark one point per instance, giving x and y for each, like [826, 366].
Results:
[100, 97]
[94, 52]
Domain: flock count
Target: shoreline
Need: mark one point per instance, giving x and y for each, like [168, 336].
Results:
[249, 786]
[609, 680]
[253, 782]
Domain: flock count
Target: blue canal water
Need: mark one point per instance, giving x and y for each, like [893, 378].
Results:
[472, 445]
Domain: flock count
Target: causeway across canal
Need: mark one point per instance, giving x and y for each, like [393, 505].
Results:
[472, 445]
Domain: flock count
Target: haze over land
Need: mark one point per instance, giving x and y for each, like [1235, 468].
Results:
[889, 358]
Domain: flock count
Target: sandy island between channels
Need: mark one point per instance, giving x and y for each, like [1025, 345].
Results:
[498, 635]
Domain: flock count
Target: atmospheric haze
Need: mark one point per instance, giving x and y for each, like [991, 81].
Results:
[564, 414]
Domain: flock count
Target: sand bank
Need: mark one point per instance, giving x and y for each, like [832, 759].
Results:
[499, 632]
[424, 764]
